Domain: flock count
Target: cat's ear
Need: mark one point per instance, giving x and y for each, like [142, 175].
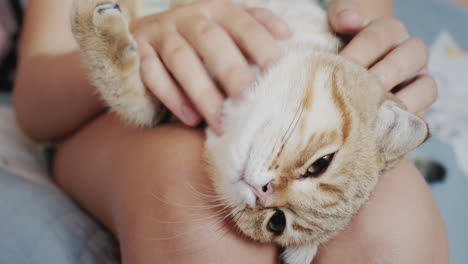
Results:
[398, 131]
[299, 254]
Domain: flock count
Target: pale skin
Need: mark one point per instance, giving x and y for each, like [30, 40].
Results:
[119, 174]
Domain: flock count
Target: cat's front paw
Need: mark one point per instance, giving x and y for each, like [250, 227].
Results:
[101, 28]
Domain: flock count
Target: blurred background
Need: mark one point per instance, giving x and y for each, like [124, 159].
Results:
[443, 24]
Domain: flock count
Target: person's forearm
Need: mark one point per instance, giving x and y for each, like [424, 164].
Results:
[52, 96]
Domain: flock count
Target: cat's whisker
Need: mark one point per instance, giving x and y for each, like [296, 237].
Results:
[172, 203]
[205, 196]
[192, 245]
[215, 214]
[233, 225]
[228, 221]
[209, 224]
[208, 188]
[214, 197]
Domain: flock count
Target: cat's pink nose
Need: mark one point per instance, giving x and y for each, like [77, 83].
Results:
[263, 193]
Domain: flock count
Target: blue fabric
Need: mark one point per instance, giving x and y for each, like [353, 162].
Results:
[39, 224]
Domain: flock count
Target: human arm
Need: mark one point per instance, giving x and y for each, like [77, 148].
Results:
[52, 96]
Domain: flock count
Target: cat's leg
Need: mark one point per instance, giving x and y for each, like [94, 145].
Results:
[299, 254]
[101, 28]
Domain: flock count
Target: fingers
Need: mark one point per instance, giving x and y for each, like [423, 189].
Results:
[160, 83]
[344, 17]
[395, 68]
[176, 46]
[254, 40]
[384, 46]
[376, 40]
[419, 94]
[350, 16]
[210, 40]
[182, 61]
[278, 28]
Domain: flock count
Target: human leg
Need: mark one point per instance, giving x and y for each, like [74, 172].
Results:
[137, 183]
[399, 224]
[122, 176]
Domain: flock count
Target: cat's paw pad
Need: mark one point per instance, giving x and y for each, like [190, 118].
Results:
[103, 10]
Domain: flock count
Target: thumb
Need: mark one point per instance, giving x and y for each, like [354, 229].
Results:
[344, 16]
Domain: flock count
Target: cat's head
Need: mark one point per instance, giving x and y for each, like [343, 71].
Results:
[302, 151]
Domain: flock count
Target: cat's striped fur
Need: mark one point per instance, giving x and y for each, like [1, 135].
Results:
[312, 107]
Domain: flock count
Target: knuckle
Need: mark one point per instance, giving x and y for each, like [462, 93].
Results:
[432, 88]
[249, 27]
[421, 46]
[214, 5]
[230, 74]
[260, 12]
[201, 95]
[396, 24]
[392, 74]
[233, 77]
[206, 29]
[376, 38]
[393, 25]
[172, 52]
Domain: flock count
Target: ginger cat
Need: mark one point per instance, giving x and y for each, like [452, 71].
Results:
[303, 149]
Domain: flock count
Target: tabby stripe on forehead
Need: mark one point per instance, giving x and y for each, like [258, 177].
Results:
[339, 102]
[305, 105]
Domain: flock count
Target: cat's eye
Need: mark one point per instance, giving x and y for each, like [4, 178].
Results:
[277, 223]
[319, 166]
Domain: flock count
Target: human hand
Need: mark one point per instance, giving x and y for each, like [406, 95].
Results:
[383, 45]
[176, 45]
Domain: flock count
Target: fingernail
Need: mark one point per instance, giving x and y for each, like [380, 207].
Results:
[350, 18]
[190, 116]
